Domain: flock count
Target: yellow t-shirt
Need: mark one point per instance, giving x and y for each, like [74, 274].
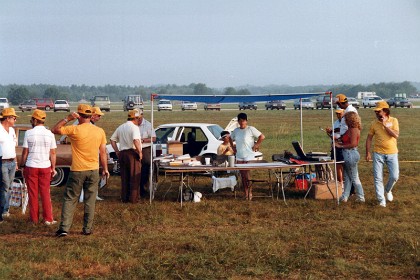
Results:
[383, 143]
[85, 142]
[222, 148]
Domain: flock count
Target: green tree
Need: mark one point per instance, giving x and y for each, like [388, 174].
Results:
[230, 91]
[244, 91]
[201, 89]
[17, 95]
[54, 93]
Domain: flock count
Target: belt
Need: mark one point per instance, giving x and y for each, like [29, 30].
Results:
[7, 159]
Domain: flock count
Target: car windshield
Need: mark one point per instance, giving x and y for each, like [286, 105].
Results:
[376, 98]
[101, 98]
[305, 100]
[164, 102]
[60, 102]
[136, 98]
[3, 100]
[215, 130]
[163, 134]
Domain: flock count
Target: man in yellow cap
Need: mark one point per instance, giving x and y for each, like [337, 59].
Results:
[385, 132]
[86, 141]
[38, 166]
[342, 102]
[129, 155]
[8, 142]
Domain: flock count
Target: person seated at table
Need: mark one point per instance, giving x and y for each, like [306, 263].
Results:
[225, 148]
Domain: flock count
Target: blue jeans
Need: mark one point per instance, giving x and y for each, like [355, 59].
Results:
[379, 160]
[351, 174]
[8, 169]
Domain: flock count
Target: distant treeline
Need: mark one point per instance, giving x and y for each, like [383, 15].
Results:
[18, 93]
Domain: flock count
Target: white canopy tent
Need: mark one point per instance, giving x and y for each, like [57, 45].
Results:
[236, 99]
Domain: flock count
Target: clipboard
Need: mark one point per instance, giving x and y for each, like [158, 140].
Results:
[103, 182]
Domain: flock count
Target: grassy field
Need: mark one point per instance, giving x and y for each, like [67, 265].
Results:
[227, 238]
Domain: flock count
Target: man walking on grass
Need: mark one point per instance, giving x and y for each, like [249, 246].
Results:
[86, 141]
[384, 131]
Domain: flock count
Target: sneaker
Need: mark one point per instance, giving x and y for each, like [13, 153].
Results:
[5, 215]
[360, 200]
[86, 232]
[50, 223]
[389, 196]
[99, 199]
[382, 204]
[61, 233]
[343, 199]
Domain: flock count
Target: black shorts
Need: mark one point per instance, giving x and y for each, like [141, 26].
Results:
[338, 153]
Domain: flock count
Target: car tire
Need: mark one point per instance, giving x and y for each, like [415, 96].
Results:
[60, 178]
[47, 108]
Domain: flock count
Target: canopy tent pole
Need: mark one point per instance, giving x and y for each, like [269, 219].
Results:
[301, 123]
[333, 147]
[151, 184]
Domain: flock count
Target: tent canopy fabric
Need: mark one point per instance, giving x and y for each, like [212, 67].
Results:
[236, 98]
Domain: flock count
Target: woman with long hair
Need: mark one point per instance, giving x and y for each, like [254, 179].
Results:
[350, 141]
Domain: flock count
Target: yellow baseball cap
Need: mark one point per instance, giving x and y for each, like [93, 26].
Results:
[39, 115]
[340, 98]
[9, 112]
[84, 109]
[97, 111]
[339, 111]
[380, 105]
[133, 114]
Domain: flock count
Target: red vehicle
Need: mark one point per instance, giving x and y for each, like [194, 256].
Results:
[44, 103]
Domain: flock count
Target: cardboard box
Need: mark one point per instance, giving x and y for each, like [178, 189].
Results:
[175, 148]
[320, 190]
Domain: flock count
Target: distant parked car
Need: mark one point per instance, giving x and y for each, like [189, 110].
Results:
[164, 104]
[306, 104]
[101, 101]
[353, 101]
[323, 101]
[44, 103]
[133, 102]
[61, 105]
[247, 105]
[4, 103]
[275, 104]
[27, 105]
[399, 102]
[370, 101]
[188, 105]
[212, 106]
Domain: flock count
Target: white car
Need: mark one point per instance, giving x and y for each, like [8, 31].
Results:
[61, 105]
[4, 103]
[199, 139]
[188, 105]
[164, 104]
[306, 104]
[370, 101]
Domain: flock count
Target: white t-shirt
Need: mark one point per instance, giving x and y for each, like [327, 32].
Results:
[39, 142]
[244, 139]
[125, 134]
[343, 125]
[146, 131]
[8, 143]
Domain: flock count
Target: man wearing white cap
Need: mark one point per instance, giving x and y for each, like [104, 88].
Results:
[385, 132]
[148, 136]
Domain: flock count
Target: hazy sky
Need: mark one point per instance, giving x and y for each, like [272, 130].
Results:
[220, 43]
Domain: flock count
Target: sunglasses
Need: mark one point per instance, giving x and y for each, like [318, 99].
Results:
[14, 118]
